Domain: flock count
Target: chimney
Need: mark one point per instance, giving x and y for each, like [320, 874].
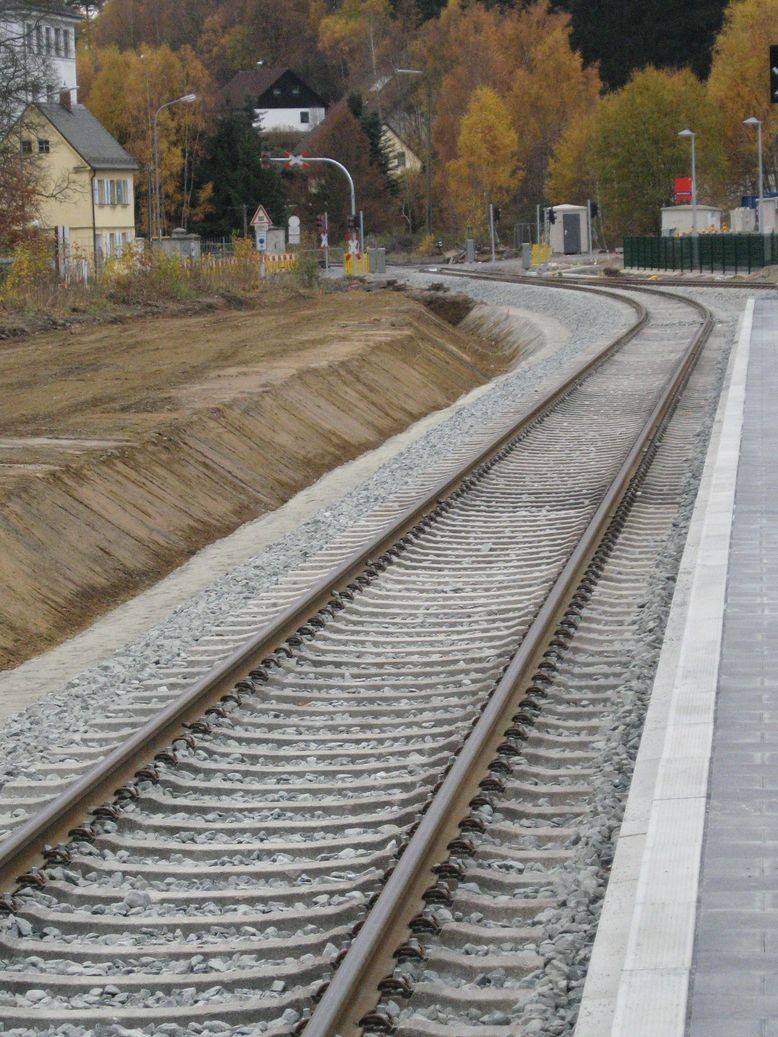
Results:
[64, 99]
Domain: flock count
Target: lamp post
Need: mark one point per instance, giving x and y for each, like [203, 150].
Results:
[753, 121]
[428, 161]
[186, 99]
[691, 135]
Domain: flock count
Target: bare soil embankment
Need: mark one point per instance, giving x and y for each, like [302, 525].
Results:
[125, 449]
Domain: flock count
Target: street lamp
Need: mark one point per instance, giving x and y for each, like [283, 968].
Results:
[428, 162]
[186, 99]
[691, 135]
[753, 121]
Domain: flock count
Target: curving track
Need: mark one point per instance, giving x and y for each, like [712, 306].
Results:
[228, 878]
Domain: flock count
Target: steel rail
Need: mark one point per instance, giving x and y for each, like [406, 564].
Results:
[52, 824]
[616, 281]
[354, 987]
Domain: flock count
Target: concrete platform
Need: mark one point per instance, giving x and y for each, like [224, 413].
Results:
[688, 941]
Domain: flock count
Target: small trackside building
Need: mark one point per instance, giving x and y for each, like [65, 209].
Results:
[86, 175]
[569, 234]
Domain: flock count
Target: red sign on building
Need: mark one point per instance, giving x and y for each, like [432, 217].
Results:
[683, 189]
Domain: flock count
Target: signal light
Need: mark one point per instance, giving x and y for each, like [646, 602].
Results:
[351, 223]
[320, 224]
[264, 160]
[595, 210]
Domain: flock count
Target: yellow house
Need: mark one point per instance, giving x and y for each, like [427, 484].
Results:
[402, 159]
[87, 178]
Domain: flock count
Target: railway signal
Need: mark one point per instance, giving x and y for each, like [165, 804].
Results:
[774, 73]
[264, 160]
[551, 214]
[322, 229]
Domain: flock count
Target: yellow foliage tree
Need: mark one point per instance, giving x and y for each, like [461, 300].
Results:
[571, 175]
[628, 153]
[125, 89]
[738, 88]
[355, 34]
[486, 165]
[524, 54]
[550, 90]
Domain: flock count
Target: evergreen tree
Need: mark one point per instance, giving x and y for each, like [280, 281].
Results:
[232, 167]
[372, 128]
[429, 8]
[626, 35]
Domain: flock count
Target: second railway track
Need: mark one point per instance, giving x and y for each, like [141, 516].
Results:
[232, 875]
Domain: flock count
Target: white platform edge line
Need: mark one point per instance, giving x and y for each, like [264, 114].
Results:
[638, 978]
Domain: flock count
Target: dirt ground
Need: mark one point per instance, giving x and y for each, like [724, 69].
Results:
[126, 448]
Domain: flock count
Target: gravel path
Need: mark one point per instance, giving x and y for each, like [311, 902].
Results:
[61, 715]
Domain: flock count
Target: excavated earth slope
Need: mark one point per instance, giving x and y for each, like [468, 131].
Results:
[124, 449]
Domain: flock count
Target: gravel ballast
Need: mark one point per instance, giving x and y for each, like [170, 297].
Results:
[64, 715]
[193, 619]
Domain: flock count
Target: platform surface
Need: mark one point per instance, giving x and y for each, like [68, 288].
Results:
[734, 983]
[687, 944]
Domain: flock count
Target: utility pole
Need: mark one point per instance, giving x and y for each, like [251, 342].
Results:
[491, 230]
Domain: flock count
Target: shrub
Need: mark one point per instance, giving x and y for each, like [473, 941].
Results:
[306, 270]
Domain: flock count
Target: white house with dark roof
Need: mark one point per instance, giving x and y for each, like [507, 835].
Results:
[276, 98]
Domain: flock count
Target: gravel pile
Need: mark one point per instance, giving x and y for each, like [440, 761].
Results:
[63, 718]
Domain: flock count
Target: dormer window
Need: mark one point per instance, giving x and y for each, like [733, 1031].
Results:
[295, 91]
[276, 91]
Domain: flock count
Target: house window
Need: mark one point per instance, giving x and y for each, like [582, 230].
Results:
[44, 147]
[295, 91]
[49, 41]
[26, 147]
[58, 42]
[28, 38]
[38, 39]
[66, 42]
[50, 94]
[399, 159]
[305, 116]
[276, 91]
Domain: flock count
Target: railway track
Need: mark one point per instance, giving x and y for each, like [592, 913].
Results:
[288, 834]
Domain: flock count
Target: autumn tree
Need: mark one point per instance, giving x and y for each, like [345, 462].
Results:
[126, 90]
[237, 34]
[738, 88]
[486, 165]
[132, 24]
[323, 188]
[628, 155]
[537, 45]
[571, 176]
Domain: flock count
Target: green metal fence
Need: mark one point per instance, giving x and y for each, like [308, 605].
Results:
[711, 253]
